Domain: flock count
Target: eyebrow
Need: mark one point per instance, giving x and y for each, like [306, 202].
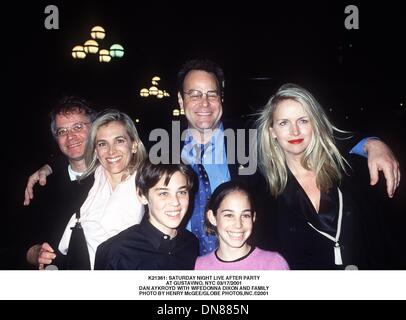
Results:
[229, 210]
[285, 119]
[165, 188]
[115, 138]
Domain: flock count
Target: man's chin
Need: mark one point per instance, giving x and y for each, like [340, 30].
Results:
[76, 157]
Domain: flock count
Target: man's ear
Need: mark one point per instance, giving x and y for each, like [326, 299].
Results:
[211, 218]
[180, 101]
[142, 198]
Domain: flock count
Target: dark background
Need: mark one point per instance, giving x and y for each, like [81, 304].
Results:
[358, 75]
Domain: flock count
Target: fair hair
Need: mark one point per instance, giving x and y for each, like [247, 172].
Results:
[321, 156]
[105, 117]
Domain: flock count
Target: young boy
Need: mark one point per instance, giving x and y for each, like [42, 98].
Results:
[158, 242]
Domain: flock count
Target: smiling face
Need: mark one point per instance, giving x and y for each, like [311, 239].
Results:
[291, 127]
[73, 144]
[114, 149]
[234, 221]
[203, 113]
[168, 204]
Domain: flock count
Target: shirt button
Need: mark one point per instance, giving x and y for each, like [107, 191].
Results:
[166, 237]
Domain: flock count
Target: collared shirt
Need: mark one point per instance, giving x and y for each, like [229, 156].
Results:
[214, 159]
[73, 175]
[144, 247]
[105, 213]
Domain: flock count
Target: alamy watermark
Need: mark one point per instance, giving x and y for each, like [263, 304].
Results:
[234, 147]
[52, 18]
[352, 20]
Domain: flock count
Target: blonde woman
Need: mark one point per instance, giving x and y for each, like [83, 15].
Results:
[317, 220]
[114, 152]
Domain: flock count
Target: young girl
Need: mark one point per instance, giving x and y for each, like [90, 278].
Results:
[231, 216]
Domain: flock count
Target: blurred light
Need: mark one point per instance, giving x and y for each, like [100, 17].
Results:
[78, 52]
[331, 109]
[91, 46]
[144, 93]
[153, 91]
[117, 51]
[104, 56]
[347, 117]
[98, 33]
[401, 104]
[362, 109]
[182, 111]
[137, 120]
[176, 112]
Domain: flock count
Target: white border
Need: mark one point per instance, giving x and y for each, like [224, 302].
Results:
[291, 285]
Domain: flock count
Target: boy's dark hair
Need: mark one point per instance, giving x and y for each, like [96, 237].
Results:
[149, 175]
[68, 105]
[222, 191]
[203, 65]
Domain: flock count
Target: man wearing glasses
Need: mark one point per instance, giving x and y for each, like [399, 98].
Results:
[200, 93]
[70, 123]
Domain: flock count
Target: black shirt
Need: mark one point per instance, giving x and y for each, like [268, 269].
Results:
[144, 247]
[305, 248]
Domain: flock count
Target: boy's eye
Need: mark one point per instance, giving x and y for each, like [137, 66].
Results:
[247, 216]
[183, 193]
[101, 144]
[164, 193]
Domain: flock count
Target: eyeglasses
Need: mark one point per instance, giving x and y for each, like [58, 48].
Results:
[197, 95]
[77, 127]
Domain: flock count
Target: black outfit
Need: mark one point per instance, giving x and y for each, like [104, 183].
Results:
[45, 219]
[144, 247]
[304, 247]
[285, 223]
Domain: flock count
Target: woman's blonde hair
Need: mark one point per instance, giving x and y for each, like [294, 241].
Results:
[321, 156]
[103, 118]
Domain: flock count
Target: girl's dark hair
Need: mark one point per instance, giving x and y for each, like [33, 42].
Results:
[219, 195]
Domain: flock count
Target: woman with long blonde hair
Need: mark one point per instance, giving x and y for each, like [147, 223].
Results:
[305, 171]
[114, 152]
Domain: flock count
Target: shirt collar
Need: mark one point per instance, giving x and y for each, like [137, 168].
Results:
[73, 175]
[218, 133]
[156, 237]
[214, 148]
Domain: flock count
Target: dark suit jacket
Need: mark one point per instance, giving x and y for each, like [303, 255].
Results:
[47, 216]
